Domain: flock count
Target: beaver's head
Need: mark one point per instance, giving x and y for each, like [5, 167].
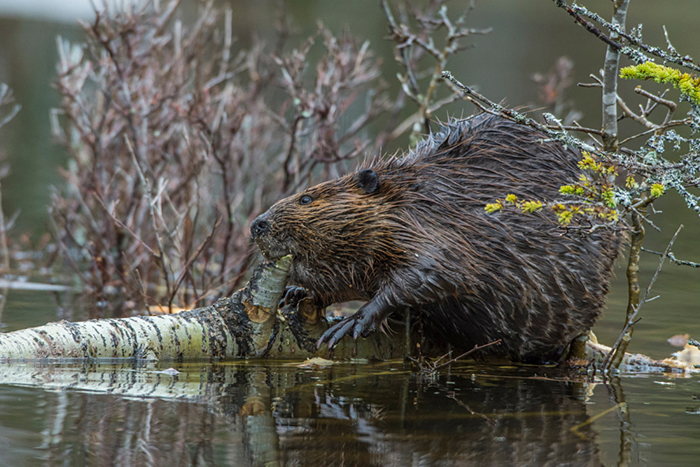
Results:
[342, 227]
[324, 220]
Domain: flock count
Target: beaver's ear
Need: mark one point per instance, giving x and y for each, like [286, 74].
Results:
[368, 181]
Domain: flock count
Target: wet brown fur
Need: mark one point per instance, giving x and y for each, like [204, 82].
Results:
[422, 239]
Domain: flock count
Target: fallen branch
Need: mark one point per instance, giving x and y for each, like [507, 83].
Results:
[224, 330]
[246, 325]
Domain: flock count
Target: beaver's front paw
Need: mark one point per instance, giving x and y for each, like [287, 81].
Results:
[293, 295]
[359, 324]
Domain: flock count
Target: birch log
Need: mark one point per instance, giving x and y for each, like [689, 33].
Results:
[229, 328]
[247, 325]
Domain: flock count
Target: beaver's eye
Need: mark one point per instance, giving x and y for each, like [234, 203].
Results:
[306, 199]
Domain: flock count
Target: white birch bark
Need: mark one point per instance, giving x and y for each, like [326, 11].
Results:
[227, 329]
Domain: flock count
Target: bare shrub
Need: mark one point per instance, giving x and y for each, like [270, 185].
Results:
[176, 144]
[177, 141]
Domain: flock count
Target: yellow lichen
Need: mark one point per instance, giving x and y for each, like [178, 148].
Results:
[531, 206]
[608, 197]
[687, 84]
[565, 217]
[567, 190]
[657, 189]
[493, 207]
[588, 163]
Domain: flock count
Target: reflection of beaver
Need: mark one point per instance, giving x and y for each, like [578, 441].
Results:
[412, 232]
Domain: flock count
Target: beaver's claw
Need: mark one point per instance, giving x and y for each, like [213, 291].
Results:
[359, 324]
[293, 295]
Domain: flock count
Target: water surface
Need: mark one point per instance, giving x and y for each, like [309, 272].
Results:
[275, 413]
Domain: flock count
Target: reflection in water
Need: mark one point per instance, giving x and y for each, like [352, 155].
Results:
[618, 395]
[494, 422]
[247, 414]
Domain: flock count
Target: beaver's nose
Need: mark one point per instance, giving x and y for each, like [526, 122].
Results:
[259, 227]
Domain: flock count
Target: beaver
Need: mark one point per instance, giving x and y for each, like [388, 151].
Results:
[411, 231]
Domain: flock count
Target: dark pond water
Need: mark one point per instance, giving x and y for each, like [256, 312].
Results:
[276, 413]
[262, 413]
[384, 414]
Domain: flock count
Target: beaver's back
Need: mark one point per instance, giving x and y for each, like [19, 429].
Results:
[517, 278]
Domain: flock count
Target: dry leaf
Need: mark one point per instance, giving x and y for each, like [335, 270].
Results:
[679, 340]
[316, 362]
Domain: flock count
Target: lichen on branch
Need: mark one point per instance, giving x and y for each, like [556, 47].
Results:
[686, 83]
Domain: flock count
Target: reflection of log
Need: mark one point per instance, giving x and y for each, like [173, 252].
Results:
[245, 325]
[121, 379]
[263, 414]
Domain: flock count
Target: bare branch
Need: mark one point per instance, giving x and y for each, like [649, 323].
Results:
[618, 350]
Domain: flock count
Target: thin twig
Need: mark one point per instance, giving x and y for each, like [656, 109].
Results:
[658, 99]
[3, 239]
[7, 99]
[468, 352]
[186, 267]
[151, 205]
[589, 26]
[617, 352]
[673, 258]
